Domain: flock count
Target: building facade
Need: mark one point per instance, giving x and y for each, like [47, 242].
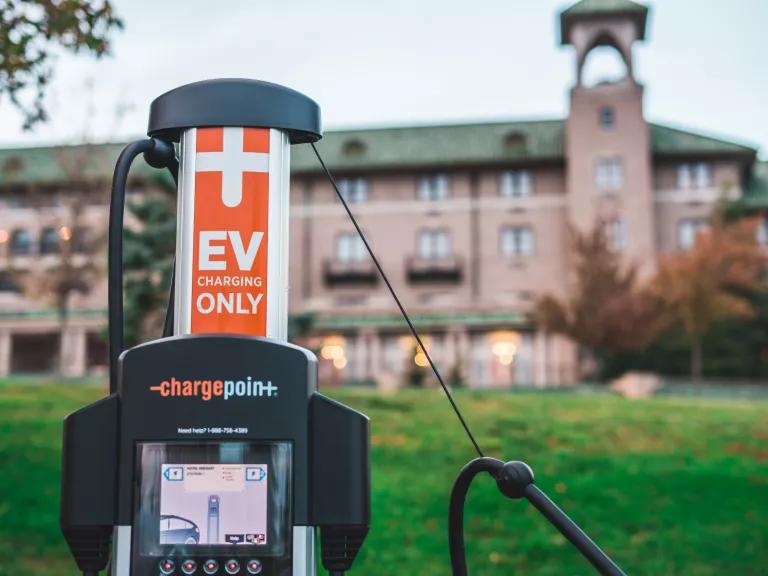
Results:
[470, 221]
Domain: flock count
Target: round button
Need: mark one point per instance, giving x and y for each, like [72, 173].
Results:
[167, 566]
[211, 567]
[188, 566]
[232, 566]
[254, 567]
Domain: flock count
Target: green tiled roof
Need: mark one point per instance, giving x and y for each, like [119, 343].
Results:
[402, 148]
[337, 322]
[666, 140]
[604, 7]
[446, 145]
[54, 164]
[756, 196]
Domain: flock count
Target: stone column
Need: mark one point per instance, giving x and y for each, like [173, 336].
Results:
[539, 359]
[73, 351]
[5, 351]
[373, 366]
[461, 352]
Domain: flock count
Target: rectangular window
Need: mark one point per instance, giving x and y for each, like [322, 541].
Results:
[609, 173]
[433, 187]
[693, 175]
[353, 190]
[349, 248]
[515, 184]
[607, 117]
[688, 229]
[433, 244]
[616, 234]
[516, 241]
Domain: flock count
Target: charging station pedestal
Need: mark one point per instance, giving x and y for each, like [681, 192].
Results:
[214, 453]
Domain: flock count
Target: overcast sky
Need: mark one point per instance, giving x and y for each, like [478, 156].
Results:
[704, 64]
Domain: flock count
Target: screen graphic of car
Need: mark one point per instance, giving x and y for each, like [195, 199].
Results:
[178, 530]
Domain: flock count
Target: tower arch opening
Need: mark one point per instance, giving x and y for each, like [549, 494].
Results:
[604, 63]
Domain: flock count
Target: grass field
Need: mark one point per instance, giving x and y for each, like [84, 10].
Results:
[666, 486]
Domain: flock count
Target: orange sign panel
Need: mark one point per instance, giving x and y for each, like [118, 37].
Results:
[231, 217]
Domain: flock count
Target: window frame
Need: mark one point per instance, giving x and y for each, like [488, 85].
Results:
[516, 183]
[30, 242]
[433, 187]
[439, 242]
[355, 248]
[517, 232]
[609, 174]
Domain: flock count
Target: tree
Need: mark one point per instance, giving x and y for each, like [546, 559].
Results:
[712, 282]
[148, 259]
[31, 30]
[606, 310]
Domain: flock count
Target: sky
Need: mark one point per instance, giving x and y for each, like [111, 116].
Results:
[704, 63]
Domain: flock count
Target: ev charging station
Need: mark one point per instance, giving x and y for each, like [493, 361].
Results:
[214, 453]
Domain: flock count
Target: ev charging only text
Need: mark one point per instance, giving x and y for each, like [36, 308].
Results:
[213, 246]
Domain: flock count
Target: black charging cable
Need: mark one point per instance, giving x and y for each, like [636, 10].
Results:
[515, 480]
[158, 154]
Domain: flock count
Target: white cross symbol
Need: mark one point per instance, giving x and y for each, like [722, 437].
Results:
[232, 163]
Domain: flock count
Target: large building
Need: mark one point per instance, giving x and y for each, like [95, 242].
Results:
[470, 221]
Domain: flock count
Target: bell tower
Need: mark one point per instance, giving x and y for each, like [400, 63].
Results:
[607, 140]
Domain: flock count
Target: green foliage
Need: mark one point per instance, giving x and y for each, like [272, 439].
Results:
[667, 486]
[32, 30]
[148, 261]
[736, 349]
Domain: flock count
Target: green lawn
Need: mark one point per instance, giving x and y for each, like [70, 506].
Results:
[666, 486]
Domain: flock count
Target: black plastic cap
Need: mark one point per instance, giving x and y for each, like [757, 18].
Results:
[235, 102]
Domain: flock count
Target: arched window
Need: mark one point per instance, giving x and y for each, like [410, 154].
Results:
[49, 241]
[21, 242]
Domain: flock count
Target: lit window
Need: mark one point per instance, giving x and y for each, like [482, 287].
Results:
[688, 229]
[515, 183]
[434, 244]
[607, 117]
[433, 187]
[609, 173]
[49, 241]
[349, 247]
[21, 242]
[693, 175]
[616, 234]
[353, 190]
[516, 241]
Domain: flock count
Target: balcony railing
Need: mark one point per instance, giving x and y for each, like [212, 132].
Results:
[424, 270]
[357, 273]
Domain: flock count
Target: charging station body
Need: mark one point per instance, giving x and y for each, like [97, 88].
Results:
[214, 453]
[234, 417]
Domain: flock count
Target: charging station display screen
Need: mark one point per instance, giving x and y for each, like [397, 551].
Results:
[214, 504]
[213, 498]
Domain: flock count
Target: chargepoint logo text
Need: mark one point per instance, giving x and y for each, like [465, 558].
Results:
[208, 389]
